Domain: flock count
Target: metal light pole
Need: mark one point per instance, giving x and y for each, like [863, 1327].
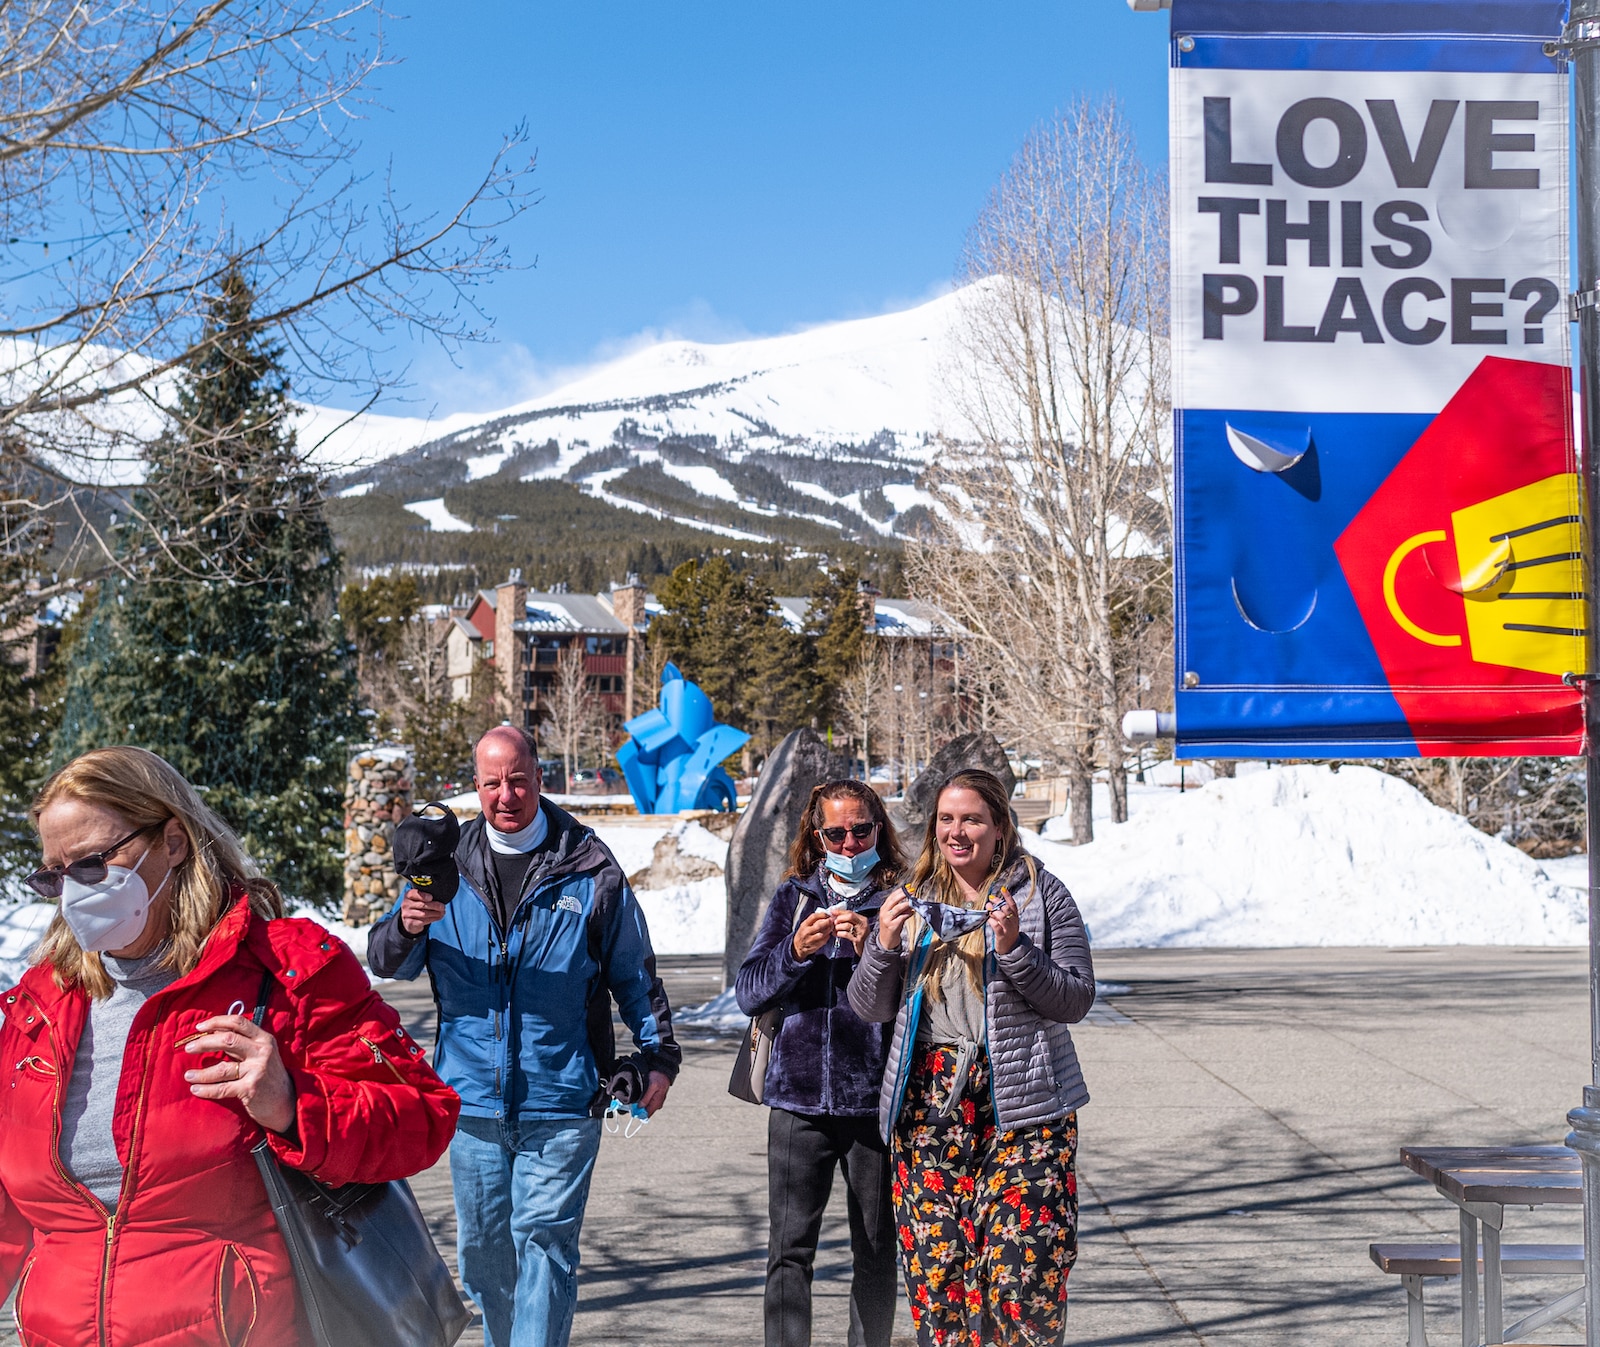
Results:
[1582, 44]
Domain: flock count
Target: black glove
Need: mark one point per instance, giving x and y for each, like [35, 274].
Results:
[626, 1082]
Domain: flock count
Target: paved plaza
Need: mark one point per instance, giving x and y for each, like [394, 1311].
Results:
[1240, 1153]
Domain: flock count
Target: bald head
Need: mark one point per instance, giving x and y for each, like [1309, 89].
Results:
[508, 778]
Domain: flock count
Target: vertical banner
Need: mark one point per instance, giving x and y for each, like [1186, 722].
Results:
[1381, 532]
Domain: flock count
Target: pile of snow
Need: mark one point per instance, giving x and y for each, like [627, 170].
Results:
[719, 1015]
[1306, 856]
[687, 917]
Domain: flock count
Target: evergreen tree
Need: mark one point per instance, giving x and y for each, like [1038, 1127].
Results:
[722, 628]
[713, 617]
[781, 686]
[218, 644]
[835, 629]
[30, 697]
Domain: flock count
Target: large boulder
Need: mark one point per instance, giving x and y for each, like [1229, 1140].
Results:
[980, 749]
[758, 853]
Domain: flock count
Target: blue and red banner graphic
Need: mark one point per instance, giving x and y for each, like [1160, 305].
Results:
[1381, 523]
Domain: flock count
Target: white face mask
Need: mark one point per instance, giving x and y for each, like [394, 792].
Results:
[113, 913]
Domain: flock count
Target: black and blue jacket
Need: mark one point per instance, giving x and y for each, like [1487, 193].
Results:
[525, 1012]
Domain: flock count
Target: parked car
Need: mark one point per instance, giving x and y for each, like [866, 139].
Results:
[596, 781]
[555, 775]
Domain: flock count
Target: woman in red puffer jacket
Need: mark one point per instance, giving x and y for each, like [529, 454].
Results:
[131, 1210]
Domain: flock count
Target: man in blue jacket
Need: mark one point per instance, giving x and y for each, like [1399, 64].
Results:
[542, 933]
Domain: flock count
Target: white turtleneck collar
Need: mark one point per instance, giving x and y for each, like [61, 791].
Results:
[523, 840]
[844, 888]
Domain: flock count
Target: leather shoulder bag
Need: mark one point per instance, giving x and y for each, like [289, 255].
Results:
[368, 1271]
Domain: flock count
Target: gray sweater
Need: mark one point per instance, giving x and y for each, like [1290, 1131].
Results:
[87, 1148]
[1032, 993]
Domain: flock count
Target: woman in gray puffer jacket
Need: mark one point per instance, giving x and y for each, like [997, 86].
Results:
[982, 961]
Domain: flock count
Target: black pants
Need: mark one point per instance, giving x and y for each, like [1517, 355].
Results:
[802, 1153]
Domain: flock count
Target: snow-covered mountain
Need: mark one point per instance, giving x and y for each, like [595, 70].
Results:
[833, 424]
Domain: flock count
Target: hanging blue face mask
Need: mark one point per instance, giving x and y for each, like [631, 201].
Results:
[629, 1119]
[852, 869]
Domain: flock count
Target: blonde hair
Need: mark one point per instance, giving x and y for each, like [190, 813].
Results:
[933, 877]
[146, 791]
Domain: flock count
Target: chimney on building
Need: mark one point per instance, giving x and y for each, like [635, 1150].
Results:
[627, 603]
[510, 652]
[627, 606]
[868, 594]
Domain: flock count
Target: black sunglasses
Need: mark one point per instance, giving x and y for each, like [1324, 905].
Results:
[46, 882]
[859, 831]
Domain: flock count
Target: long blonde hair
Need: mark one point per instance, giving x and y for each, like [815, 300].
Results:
[933, 878]
[146, 790]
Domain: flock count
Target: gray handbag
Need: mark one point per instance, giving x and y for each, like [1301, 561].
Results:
[368, 1271]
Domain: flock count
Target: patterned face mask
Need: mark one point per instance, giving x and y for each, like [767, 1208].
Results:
[946, 921]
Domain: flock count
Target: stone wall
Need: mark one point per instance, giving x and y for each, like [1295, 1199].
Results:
[377, 795]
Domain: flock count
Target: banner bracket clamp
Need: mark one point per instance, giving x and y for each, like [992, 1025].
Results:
[1580, 300]
[1578, 35]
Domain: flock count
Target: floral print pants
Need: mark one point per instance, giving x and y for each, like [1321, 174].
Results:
[987, 1219]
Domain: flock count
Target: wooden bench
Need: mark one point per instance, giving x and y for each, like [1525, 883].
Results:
[1412, 1262]
[1033, 813]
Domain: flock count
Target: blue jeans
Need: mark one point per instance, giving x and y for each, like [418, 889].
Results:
[519, 1210]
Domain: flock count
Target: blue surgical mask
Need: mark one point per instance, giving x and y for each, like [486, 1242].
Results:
[852, 869]
[629, 1119]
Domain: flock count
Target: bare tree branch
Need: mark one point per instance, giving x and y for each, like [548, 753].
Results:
[1056, 501]
[125, 129]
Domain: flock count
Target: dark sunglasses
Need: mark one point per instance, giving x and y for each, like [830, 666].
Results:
[90, 869]
[860, 831]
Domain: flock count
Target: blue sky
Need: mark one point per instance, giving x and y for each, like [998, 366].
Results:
[714, 169]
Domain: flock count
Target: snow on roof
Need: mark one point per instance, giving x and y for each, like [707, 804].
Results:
[793, 611]
[892, 617]
[908, 617]
[569, 612]
[61, 607]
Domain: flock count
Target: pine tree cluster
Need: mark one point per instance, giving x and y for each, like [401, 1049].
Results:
[723, 630]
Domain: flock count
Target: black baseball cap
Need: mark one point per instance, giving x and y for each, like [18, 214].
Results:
[425, 851]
